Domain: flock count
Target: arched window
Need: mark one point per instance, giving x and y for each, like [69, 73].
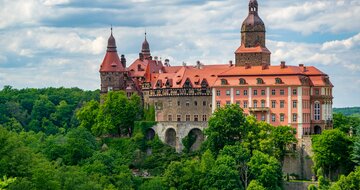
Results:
[224, 82]
[278, 81]
[317, 111]
[242, 81]
[260, 81]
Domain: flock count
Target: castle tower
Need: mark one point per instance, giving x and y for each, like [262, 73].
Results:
[145, 49]
[112, 70]
[252, 51]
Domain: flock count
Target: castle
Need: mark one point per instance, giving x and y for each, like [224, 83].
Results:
[185, 96]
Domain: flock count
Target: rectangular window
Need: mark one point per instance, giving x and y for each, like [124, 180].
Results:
[262, 117]
[218, 104]
[245, 93]
[317, 92]
[294, 104]
[178, 103]
[273, 92]
[294, 92]
[204, 103]
[317, 111]
[170, 103]
[282, 92]
[282, 103]
[245, 104]
[273, 104]
[196, 118]
[237, 92]
[195, 103]
[262, 103]
[282, 117]
[294, 117]
[218, 93]
[178, 117]
[263, 92]
[187, 117]
[204, 118]
[187, 103]
[255, 92]
[255, 104]
[273, 117]
[228, 103]
[169, 117]
[227, 92]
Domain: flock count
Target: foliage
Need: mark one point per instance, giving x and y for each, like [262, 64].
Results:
[5, 182]
[346, 123]
[355, 156]
[255, 185]
[266, 170]
[226, 127]
[149, 113]
[347, 111]
[350, 182]
[117, 114]
[331, 150]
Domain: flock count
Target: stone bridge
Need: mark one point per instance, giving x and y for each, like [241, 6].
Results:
[172, 133]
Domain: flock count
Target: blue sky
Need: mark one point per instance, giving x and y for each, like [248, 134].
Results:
[62, 42]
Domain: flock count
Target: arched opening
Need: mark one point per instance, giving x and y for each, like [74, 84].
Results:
[170, 137]
[197, 137]
[317, 130]
[150, 134]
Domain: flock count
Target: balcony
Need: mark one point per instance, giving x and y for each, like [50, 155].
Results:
[259, 109]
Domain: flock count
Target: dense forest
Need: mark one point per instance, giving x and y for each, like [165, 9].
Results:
[348, 111]
[59, 138]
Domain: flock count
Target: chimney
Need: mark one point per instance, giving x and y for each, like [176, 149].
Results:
[141, 56]
[282, 64]
[167, 62]
[123, 61]
[231, 63]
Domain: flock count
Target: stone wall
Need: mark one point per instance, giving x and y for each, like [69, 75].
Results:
[299, 162]
[182, 129]
[182, 106]
[253, 59]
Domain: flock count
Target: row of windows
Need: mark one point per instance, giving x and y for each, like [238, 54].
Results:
[255, 103]
[282, 117]
[255, 92]
[258, 81]
[187, 103]
[188, 118]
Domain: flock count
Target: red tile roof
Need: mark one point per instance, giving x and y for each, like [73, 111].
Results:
[111, 63]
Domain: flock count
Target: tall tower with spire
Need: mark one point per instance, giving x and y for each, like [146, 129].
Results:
[252, 51]
[145, 49]
[112, 70]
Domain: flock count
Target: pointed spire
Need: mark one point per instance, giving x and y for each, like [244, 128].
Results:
[253, 7]
[111, 47]
[145, 50]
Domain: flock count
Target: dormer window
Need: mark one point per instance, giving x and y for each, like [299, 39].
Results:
[139, 67]
[187, 84]
[242, 81]
[158, 84]
[278, 81]
[204, 84]
[224, 82]
[260, 81]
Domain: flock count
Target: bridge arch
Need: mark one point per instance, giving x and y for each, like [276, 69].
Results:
[198, 137]
[170, 137]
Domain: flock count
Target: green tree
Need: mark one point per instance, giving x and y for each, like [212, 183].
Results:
[62, 115]
[255, 185]
[350, 182]
[87, 114]
[331, 151]
[283, 136]
[355, 156]
[242, 157]
[266, 170]
[118, 113]
[226, 127]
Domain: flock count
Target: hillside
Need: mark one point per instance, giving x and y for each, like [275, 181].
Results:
[348, 111]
